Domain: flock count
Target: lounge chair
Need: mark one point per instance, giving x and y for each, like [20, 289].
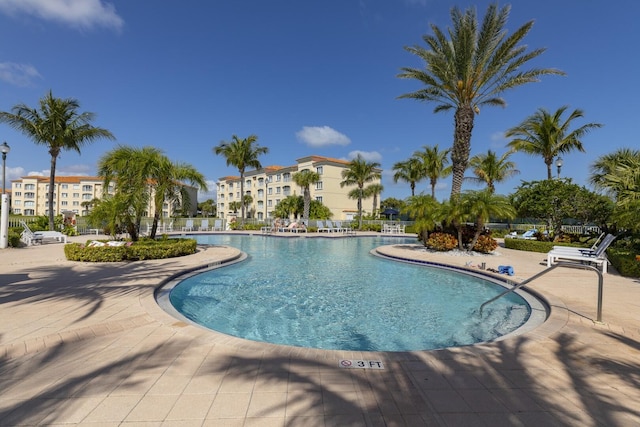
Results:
[217, 225]
[576, 249]
[333, 228]
[30, 237]
[188, 226]
[598, 257]
[204, 225]
[527, 235]
[322, 228]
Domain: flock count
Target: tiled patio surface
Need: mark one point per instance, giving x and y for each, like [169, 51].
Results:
[85, 344]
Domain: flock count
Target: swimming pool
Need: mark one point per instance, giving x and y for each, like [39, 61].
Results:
[333, 294]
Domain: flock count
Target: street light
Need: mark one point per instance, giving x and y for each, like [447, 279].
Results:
[5, 150]
[4, 215]
[559, 165]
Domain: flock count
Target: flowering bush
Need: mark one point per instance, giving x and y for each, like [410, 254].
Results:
[441, 241]
[485, 244]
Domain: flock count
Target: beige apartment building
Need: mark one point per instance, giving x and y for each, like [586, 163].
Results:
[30, 196]
[271, 184]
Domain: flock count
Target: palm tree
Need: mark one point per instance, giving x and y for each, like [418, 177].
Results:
[480, 206]
[168, 181]
[426, 212]
[59, 126]
[374, 190]
[305, 179]
[618, 173]
[142, 173]
[472, 69]
[409, 171]
[434, 164]
[359, 172]
[243, 154]
[547, 135]
[488, 169]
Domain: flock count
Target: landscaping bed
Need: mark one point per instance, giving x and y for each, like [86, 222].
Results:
[115, 251]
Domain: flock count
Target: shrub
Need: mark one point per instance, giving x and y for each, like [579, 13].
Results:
[530, 245]
[13, 238]
[485, 244]
[624, 261]
[441, 242]
[143, 249]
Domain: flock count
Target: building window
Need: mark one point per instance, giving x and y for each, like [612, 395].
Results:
[231, 186]
[76, 186]
[260, 204]
[319, 185]
[29, 204]
[270, 203]
[270, 191]
[18, 185]
[17, 211]
[278, 190]
[87, 197]
[29, 186]
[87, 188]
[260, 193]
[319, 199]
[286, 177]
[18, 193]
[16, 203]
[286, 190]
[29, 195]
[76, 195]
[319, 170]
[261, 182]
[248, 183]
[64, 195]
[64, 203]
[64, 186]
[278, 178]
[75, 203]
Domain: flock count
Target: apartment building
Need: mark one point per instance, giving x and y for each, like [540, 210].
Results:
[271, 184]
[71, 194]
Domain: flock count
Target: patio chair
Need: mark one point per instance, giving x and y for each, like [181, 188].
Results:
[188, 226]
[321, 227]
[217, 225]
[598, 257]
[576, 249]
[31, 237]
[333, 228]
[204, 225]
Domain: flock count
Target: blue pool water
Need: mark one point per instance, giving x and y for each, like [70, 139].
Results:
[333, 294]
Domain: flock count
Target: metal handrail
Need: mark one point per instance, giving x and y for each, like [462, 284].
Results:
[548, 269]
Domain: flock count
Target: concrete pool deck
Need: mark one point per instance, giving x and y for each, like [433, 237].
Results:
[85, 344]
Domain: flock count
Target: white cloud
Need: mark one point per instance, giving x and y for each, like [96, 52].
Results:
[211, 194]
[77, 13]
[18, 74]
[13, 173]
[37, 173]
[369, 156]
[320, 136]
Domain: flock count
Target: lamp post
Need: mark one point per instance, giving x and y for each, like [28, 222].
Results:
[559, 165]
[4, 215]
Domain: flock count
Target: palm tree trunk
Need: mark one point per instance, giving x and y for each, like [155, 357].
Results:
[52, 180]
[307, 204]
[241, 198]
[549, 173]
[461, 146]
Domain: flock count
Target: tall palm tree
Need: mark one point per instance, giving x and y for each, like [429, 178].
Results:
[409, 171]
[243, 154]
[480, 206]
[547, 135]
[472, 69]
[306, 179]
[359, 172]
[373, 191]
[490, 169]
[58, 125]
[434, 165]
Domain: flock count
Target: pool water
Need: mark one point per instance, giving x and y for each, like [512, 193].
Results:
[333, 294]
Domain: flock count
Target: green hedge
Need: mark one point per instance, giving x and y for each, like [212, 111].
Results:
[144, 249]
[624, 260]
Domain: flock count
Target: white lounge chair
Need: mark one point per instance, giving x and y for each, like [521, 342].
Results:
[598, 257]
[322, 228]
[576, 249]
[333, 228]
[527, 235]
[204, 225]
[188, 226]
[217, 225]
[30, 237]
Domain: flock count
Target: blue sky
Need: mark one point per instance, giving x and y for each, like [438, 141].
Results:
[305, 77]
